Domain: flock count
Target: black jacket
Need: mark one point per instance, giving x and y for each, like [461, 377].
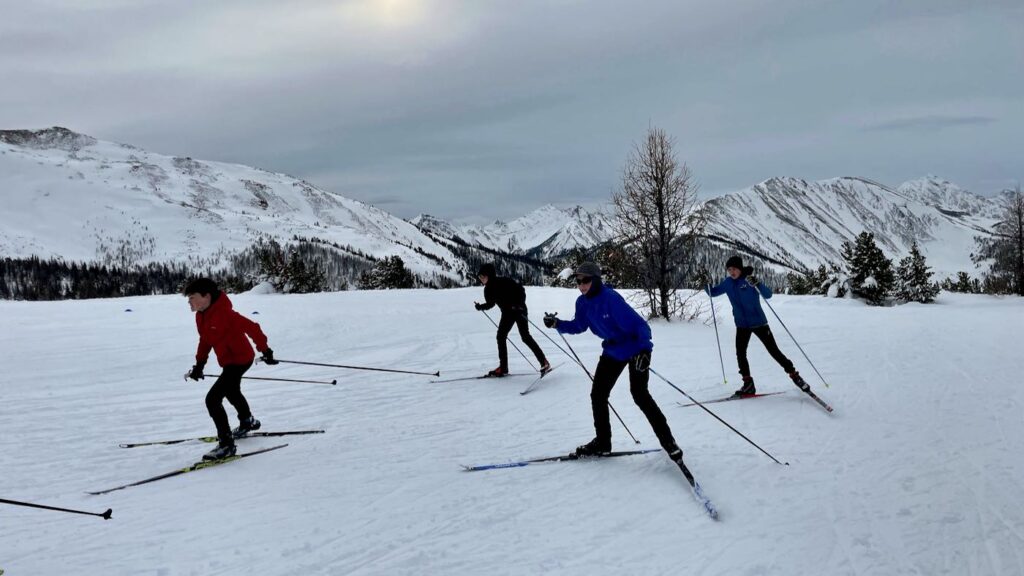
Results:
[504, 292]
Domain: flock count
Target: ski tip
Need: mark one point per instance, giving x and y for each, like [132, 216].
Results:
[124, 445]
[108, 514]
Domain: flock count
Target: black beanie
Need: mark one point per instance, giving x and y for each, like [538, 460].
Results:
[734, 262]
[486, 270]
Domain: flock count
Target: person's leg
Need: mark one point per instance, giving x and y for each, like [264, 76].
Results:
[638, 386]
[215, 406]
[742, 341]
[524, 333]
[607, 372]
[504, 327]
[764, 334]
[232, 387]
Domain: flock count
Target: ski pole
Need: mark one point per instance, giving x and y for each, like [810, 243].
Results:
[438, 373]
[333, 382]
[680, 390]
[717, 339]
[797, 343]
[106, 515]
[509, 341]
[616, 412]
[557, 345]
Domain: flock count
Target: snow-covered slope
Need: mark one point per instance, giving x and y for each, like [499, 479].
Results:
[72, 196]
[547, 231]
[801, 224]
[918, 471]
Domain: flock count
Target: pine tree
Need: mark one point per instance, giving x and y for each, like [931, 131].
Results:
[915, 283]
[388, 274]
[871, 276]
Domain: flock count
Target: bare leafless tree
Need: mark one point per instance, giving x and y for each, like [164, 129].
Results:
[659, 216]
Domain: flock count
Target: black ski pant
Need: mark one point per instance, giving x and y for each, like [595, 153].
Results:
[608, 371]
[228, 385]
[764, 334]
[516, 317]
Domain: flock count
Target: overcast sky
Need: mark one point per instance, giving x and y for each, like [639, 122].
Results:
[477, 110]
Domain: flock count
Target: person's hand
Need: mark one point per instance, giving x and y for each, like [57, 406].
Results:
[642, 361]
[752, 280]
[550, 320]
[196, 373]
[478, 305]
[268, 357]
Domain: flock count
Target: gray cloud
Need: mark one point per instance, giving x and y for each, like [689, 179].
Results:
[931, 123]
[470, 110]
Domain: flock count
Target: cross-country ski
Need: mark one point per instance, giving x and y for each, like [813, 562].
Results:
[212, 439]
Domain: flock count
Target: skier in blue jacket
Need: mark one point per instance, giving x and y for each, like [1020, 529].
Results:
[745, 292]
[626, 342]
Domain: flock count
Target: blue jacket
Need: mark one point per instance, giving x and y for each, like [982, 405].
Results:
[746, 306]
[606, 314]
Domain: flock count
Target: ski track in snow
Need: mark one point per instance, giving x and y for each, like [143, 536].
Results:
[917, 471]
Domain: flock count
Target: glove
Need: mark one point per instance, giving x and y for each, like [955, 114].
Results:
[551, 320]
[642, 361]
[752, 280]
[197, 372]
[478, 305]
[268, 357]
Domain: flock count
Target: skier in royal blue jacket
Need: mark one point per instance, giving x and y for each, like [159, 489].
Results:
[626, 342]
[745, 291]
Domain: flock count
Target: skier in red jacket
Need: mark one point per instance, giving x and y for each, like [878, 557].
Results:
[226, 332]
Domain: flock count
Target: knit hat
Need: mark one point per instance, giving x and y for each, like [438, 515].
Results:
[487, 270]
[201, 286]
[589, 269]
[734, 262]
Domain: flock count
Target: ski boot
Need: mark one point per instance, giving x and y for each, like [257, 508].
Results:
[499, 372]
[245, 426]
[747, 389]
[593, 448]
[545, 368]
[799, 381]
[223, 450]
[676, 454]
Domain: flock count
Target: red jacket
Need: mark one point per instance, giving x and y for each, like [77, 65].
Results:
[225, 330]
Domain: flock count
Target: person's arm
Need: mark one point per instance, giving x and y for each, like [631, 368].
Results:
[716, 290]
[489, 301]
[203, 352]
[253, 331]
[765, 291]
[578, 324]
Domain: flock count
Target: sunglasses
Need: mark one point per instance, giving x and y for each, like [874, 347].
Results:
[580, 280]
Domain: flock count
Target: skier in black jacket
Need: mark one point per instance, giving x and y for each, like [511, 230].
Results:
[509, 296]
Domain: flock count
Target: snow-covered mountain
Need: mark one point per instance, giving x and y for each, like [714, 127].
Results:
[547, 231]
[71, 196]
[790, 223]
[799, 224]
[943, 194]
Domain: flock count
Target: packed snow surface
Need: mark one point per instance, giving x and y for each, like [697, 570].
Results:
[919, 470]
